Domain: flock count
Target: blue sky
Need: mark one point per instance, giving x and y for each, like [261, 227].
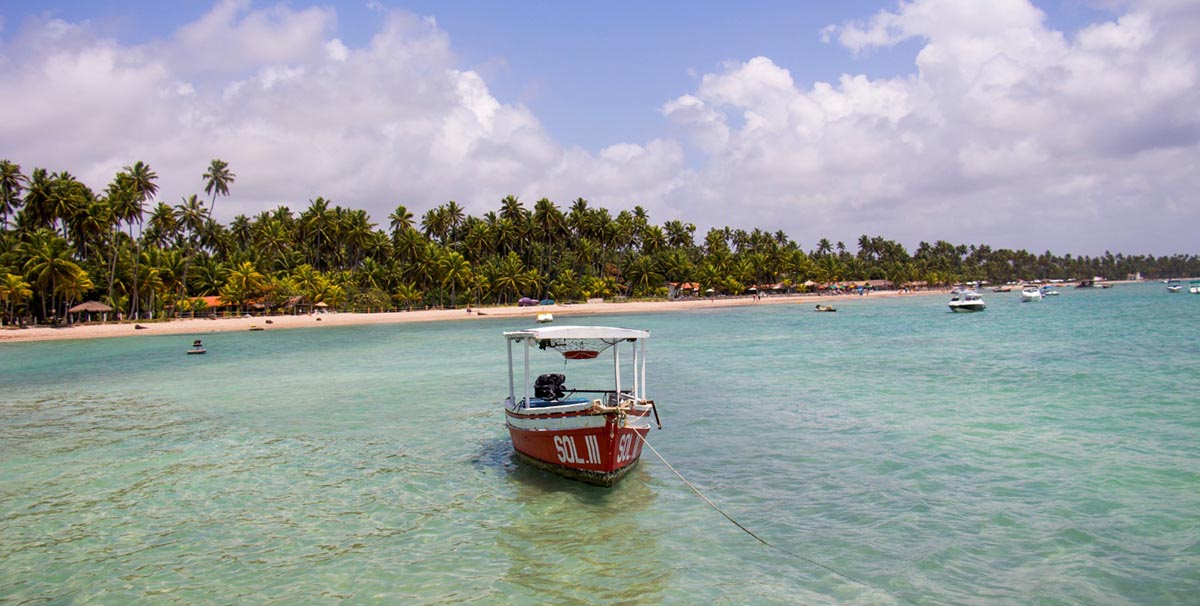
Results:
[592, 72]
[1055, 124]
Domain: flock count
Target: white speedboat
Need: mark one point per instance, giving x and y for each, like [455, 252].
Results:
[1174, 286]
[1030, 294]
[1049, 291]
[545, 318]
[967, 301]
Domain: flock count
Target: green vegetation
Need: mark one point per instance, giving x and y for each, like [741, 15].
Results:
[62, 244]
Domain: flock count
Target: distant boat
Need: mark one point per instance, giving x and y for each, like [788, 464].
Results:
[545, 318]
[1049, 291]
[1174, 286]
[256, 328]
[1030, 294]
[1086, 284]
[197, 348]
[967, 301]
[825, 308]
[591, 434]
[1194, 288]
[1005, 288]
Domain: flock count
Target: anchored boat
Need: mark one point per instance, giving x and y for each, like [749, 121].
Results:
[967, 301]
[1031, 294]
[590, 433]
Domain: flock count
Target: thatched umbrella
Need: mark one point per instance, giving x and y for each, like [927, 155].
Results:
[90, 307]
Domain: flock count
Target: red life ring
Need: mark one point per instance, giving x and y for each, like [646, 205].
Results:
[580, 354]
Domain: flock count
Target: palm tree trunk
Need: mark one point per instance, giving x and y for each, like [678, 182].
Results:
[112, 266]
[133, 304]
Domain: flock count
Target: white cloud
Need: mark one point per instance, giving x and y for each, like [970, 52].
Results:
[1008, 132]
[1005, 131]
[297, 114]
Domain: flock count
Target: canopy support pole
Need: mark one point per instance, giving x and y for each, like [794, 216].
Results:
[636, 383]
[527, 340]
[643, 374]
[512, 389]
[617, 370]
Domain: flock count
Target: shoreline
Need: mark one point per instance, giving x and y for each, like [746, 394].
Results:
[189, 326]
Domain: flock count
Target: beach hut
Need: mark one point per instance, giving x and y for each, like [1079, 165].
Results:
[91, 307]
[298, 304]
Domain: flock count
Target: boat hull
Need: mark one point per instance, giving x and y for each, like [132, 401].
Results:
[585, 445]
[968, 308]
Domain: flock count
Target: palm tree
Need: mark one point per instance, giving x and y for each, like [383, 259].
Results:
[73, 288]
[67, 198]
[641, 275]
[37, 211]
[436, 224]
[89, 225]
[455, 270]
[401, 220]
[710, 277]
[49, 265]
[512, 209]
[12, 183]
[823, 247]
[565, 285]
[217, 181]
[410, 245]
[355, 230]
[577, 217]
[679, 234]
[163, 227]
[142, 188]
[454, 216]
[14, 292]
[406, 295]
[244, 283]
[316, 231]
[510, 277]
[189, 219]
[549, 221]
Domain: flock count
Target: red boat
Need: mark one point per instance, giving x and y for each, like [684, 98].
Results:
[590, 434]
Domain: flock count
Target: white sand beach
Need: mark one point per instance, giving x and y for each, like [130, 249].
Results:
[281, 322]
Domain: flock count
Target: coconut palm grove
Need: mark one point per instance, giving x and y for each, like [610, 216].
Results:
[127, 247]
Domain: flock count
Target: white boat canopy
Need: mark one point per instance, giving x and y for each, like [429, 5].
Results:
[581, 343]
[606, 334]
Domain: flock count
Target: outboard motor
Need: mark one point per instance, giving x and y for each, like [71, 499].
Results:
[549, 386]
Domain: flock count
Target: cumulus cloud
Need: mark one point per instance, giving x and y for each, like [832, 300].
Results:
[1007, 131]
[297, 113]
[1003, 131]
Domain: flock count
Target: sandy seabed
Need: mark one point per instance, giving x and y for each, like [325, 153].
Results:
[560, 311]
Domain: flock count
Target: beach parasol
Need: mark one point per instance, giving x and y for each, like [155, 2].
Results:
[91, 306]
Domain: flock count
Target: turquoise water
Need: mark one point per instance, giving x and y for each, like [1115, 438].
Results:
[893, 452]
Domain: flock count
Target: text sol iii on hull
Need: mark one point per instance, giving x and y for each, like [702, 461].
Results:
[591, 431]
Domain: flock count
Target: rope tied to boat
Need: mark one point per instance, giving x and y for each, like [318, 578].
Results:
[811, 561]
[620, 412]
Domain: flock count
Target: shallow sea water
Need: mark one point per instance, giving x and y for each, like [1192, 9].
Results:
[893, 453]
